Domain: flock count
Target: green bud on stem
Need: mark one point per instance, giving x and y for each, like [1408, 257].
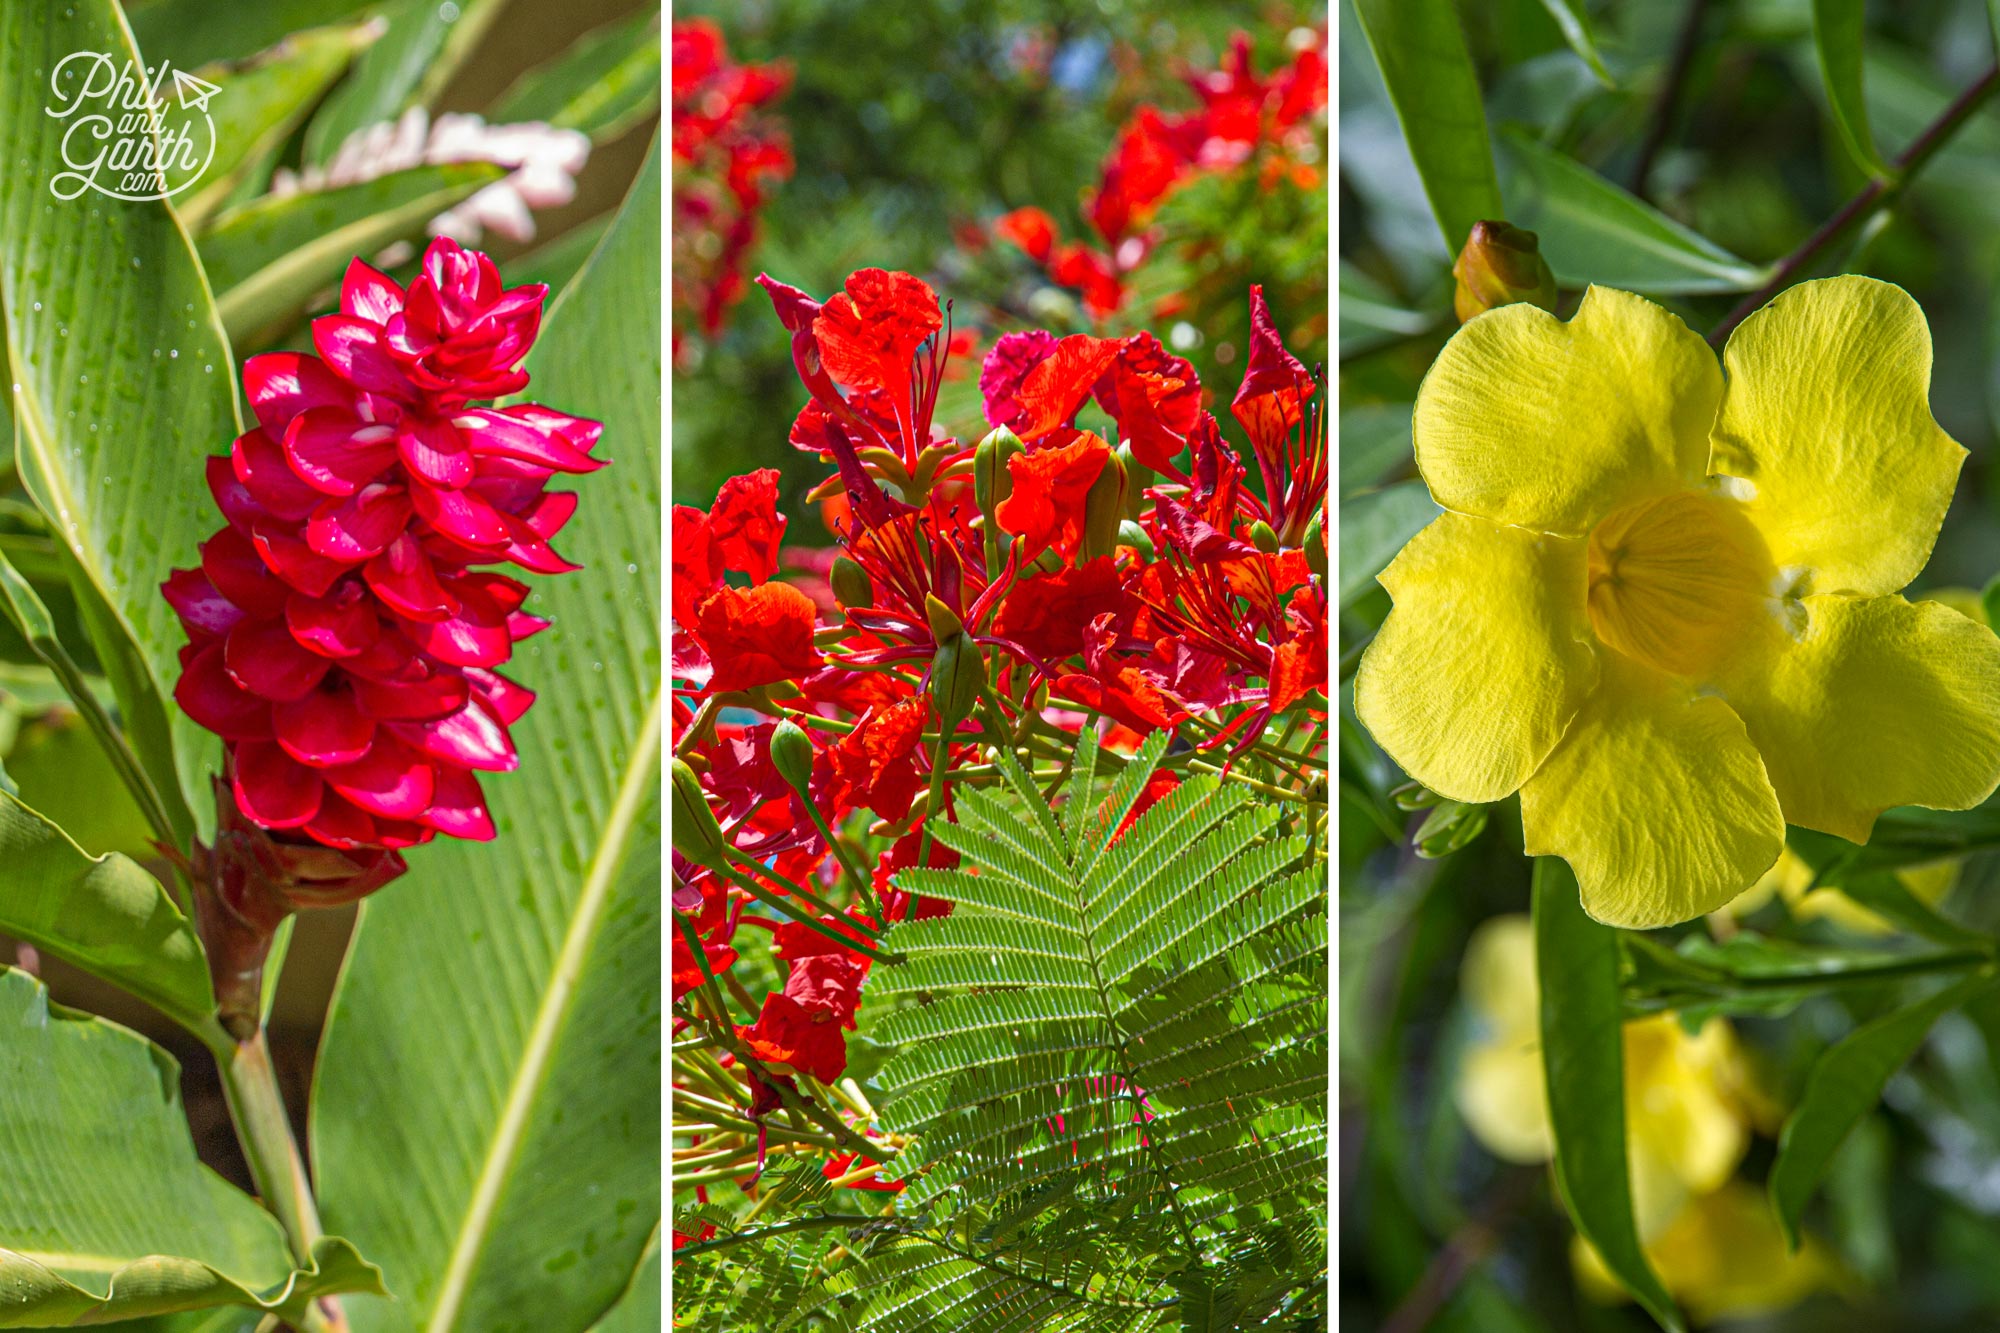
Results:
[1104, 509]
[851, 583]
[792, 755]
[696, 834]
[1500, 265]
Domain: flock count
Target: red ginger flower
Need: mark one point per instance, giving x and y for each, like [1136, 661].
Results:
[340, 639]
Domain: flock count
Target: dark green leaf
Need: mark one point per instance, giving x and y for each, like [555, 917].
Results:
[1844, 1086]
[1838, 27]
[1583, 1056]
[192, 33]
[1421, 51]
[426, 43]
[1374, 444]
[1594, 232]
[603, 85]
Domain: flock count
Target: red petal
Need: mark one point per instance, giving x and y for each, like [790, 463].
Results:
[288, 556]
[459, 807]
[510, 435]
[392, 780]
[207, 694]
[238, 572]
[341, 625]
[1051, 392]
[509, 701]
[462, 516]
[258, 459]
[414, 700]
[360, 526]
[353, 350]
[324, 728]
[272, 788]
[435, 451]
[469, 738]
[368, 294]
[266, 660]
[280, 385]
[404, 577]
[341, 823]
[204, 612]
[868, 332]
[336, 452]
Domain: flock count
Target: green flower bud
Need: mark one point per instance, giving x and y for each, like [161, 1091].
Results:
[1130, 533]
[792, 755]
[696, 834]
[1104, 510]
[850, 583]
[1263, 538]
[1450, 826]
[1315, 546]
[991, 481]
[1500, 265]
[944, 621]
[958, 672]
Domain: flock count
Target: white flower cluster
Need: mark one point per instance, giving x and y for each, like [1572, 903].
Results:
[543, 160]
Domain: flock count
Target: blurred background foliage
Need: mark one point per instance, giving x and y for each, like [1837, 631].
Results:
[915, 126]
[1745, 152]
[296, 78]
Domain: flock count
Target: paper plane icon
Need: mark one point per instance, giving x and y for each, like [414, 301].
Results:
[193, 93]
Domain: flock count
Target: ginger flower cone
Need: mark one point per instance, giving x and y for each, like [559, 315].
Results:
[1663, 604]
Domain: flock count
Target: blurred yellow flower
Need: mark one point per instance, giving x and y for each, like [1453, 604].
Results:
[1663, 603]
[1792, 880]
[1689, 1107]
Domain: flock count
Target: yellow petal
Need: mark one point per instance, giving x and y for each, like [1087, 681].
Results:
[1657, 800]
[1484, 659]
[1527, 420]
[1500, 1089]
[1722, 1256]
[1497, 978]
[1878, 703]
[1685, 1130]
[1827, 414]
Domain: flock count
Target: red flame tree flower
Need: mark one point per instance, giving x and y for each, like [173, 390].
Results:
[1127, 575]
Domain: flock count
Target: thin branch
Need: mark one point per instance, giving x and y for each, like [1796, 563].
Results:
[1874, 196]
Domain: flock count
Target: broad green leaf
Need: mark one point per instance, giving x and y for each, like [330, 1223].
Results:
[61, 771]
[1583, 1057]
[193, 33]
[267, 259]
[1594, 232]
[1575, 25]
[486, 1115]
[557, 261]
[603, 85]
[104, 914]
[124, 378]
[1885, 895]
[638, 1310]
[1844, 1087]
[1374, 442]
[259, 105]
[1374, 526]
[1421, 51]
[108, 1213]
[1838, 29]
[425, 45]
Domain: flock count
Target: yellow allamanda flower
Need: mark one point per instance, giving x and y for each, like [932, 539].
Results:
[1689, 1106]
[1662, 603]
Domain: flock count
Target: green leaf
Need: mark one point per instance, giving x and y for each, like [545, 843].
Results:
[486, 1115]
[1594, 232]
[1844, 1087]
[1421, 51]
[1371, 317]
[556, 262]
[1583, 1055]
[193, 33]
[104, 914]
[1838, 28]
[259, 105]
[603, 85]
[109, 1214]
[425, 45]
[638, 1310]
[269, 258]
[1374, 526]
[1575, 25]
[1884, 894]
[124, 376]
[1374, 442]
[61, 771]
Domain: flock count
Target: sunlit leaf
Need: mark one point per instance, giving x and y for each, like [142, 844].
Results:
[603, 85]
[426, 43]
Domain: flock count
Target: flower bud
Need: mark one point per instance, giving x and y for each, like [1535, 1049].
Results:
[792, 755]
[1450, 826]
[944, 621]
[991, 482]
[1500, 265]
[958, 671]
[1104, 510]
[1315, 545]
[1130, 533]
[1263, 538]
[851, 585]
[696, 834]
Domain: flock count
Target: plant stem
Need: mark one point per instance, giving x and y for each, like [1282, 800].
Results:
[263, 1128]
[1873, 197]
